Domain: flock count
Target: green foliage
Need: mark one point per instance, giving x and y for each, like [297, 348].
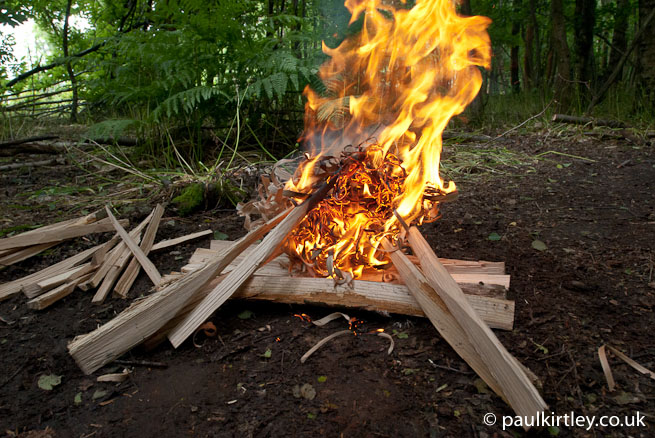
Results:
[185, 102]
[177, 71]
[113, 128]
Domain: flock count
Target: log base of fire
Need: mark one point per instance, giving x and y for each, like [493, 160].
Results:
[484, 283]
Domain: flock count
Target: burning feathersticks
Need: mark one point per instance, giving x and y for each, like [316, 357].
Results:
[340, 237]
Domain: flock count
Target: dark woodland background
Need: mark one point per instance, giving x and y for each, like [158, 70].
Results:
[212, 76]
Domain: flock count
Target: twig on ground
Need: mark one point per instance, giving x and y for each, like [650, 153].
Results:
[14, 374]
[519, 125]
[141, 363]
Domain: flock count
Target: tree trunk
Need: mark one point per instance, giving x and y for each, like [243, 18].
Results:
[514, 51]
[646, 56]
[537, 68]
[528, 52]
[69, 65]
[476, 107]
[562, 81]
[619, 38]
[584, 22]
[645, 27]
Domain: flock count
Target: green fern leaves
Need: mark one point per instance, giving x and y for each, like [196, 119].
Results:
[186, 101]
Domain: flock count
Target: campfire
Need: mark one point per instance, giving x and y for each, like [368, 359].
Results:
[376, 130]
[338, 229]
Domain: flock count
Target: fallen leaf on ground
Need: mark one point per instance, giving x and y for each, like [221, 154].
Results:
[539, 245]
[307, 392]
[49, 381]
[494, 237]
[99, 393]
[246, 314]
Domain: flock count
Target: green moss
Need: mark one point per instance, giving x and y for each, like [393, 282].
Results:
[190, 199]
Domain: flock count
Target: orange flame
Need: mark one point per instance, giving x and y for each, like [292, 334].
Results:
[391, 91]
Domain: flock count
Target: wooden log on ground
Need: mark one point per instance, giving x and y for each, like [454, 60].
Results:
[182, 239]
[20, 141]
[118, 141]
[498, 313]
[40, 163]
[136, 250]
[463, 137]
[564, 118]
[245, 269]
[32, 148]
[476, 278]
[144, 318]
[515, 385]
[367, 295]
[132, 271]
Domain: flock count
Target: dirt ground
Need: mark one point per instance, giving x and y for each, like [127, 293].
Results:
[588, 198]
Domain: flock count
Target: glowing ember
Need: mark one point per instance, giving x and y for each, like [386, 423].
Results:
[391, 91]
[303, 316]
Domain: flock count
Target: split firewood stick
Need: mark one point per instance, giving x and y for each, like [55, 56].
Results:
[14, 242]
[273, 282]
[132, 271]
[99, 256]
[19, 254]
[65, 277]
[138, 253]
[245, 269]
[521, 394]
[28, 284]
[109, 259]
[368, 295]
[57, 234]
[435, 309]
[104, 263]
[49, 298]
[176, 241]
[144, 318]
[113, 274]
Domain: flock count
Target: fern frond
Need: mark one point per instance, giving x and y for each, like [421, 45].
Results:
[186, 101]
